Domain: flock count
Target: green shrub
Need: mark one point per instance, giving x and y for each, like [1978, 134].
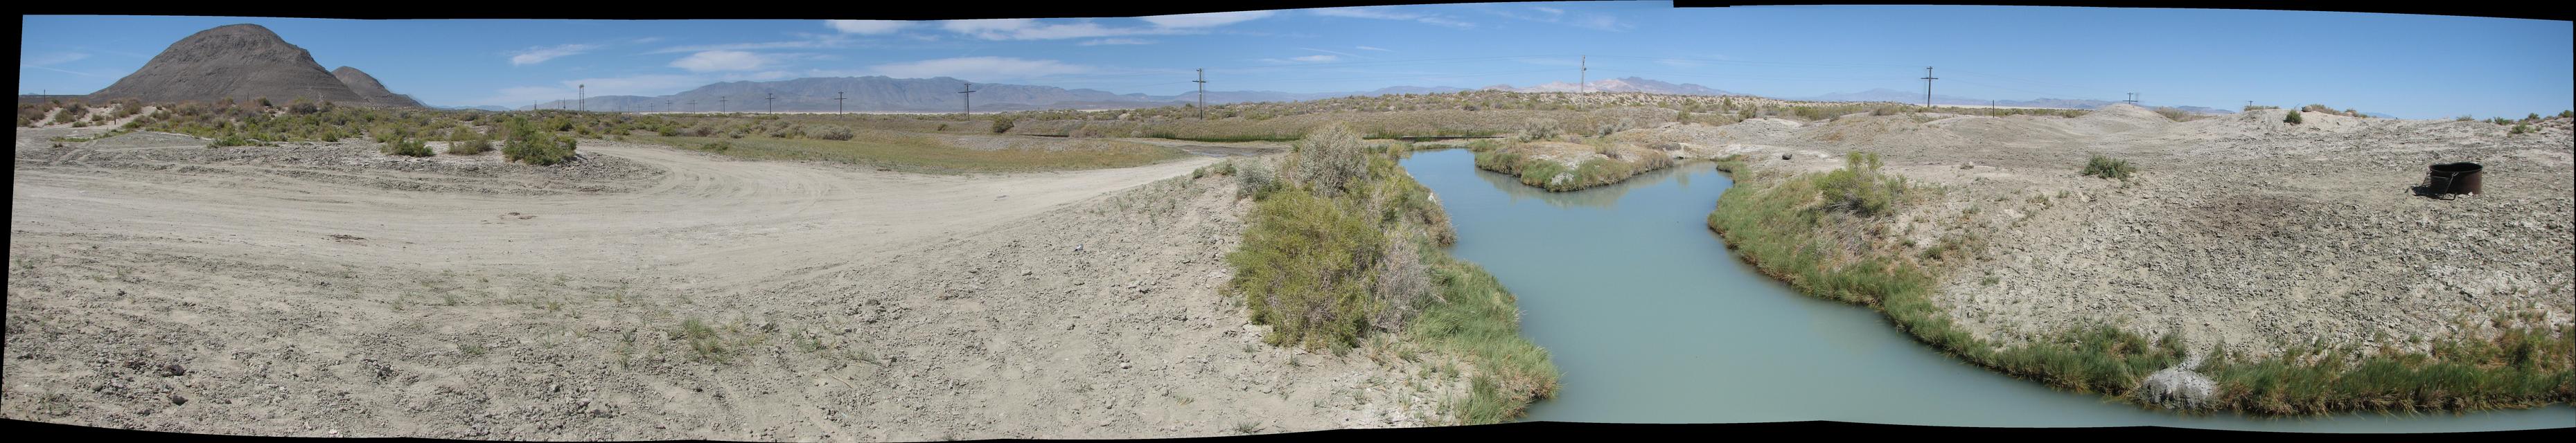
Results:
[1858, 188]
[1002, 124]
[1305, 268]
[1259, 179]
[2519, 129]
[409, 148]
[472, 146]
[718, 146]
[2106, 167]
[539, 148]
[2294, 117]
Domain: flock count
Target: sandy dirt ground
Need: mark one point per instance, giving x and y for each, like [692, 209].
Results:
[2237, 229]
[643, 293]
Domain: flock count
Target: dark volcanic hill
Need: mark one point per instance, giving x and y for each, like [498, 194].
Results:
[367, 87]
[242, 62]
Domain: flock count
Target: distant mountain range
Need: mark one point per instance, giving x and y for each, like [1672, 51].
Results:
[1891, 95]
[886, 94]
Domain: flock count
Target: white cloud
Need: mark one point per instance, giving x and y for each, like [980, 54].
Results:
[66, 71]
[539, 54]
[654, 84]
[870, 27]
[1315, 58]
[1031, 29]
[1205, 20]
[724, 61]
[1339, 53]
[1373, 48]
[981, 68]
[50, 59]
[1116, 41]
[1391, 14]
[1603, 22]
[811, 41]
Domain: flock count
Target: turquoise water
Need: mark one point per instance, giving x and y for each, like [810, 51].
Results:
[1652, 320]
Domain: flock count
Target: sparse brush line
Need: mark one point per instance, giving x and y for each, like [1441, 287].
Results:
[1798, 228]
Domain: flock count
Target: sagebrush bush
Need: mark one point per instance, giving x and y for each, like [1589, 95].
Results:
[835, 133]
[1538, 129]
[409, 147]
[471, 146]
[1859, 189]
[1002, 124]
[2106, 167]
[1331, 158]
[2294, 117]
[539, 148]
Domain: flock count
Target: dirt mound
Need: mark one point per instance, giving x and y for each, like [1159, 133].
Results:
[241, 62]
[2118, 118]
[367, 86]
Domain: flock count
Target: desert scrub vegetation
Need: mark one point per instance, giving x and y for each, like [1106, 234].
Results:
[914, 152]
[1794, 227]
[408, 147]
[2107, 167]
[1545, 164]
[1342, 246]
[531, 142]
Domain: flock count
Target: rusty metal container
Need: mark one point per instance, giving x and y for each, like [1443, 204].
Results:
[2462, 178]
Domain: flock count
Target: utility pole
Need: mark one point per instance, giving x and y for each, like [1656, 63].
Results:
[581, 95]
[2133, 99]
[969, 92]
[693, 106]
[1581, 80]
[838, 105]
[773, 102]
[720, 102]
[1927, 86]
[1202, 93]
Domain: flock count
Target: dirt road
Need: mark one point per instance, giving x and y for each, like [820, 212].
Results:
[647, 293]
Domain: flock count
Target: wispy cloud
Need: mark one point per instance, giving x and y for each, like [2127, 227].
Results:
[644, 40]
[1339, 53]
[1320, 58]
[1374, 48]
[1206, 20]
[540, 54]
[66, 71]
[869, 27]
[979, 68]
[711, 61]
[1603, 22]
[1117, 41]
[1392, 14]
[1032, 29]
[49, 59]
[810, 41]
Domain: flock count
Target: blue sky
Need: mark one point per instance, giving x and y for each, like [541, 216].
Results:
[2408, 65]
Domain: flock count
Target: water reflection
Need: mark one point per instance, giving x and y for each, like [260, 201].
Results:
[1652, 320]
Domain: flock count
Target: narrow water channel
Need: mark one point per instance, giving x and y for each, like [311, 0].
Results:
[1653, 320]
